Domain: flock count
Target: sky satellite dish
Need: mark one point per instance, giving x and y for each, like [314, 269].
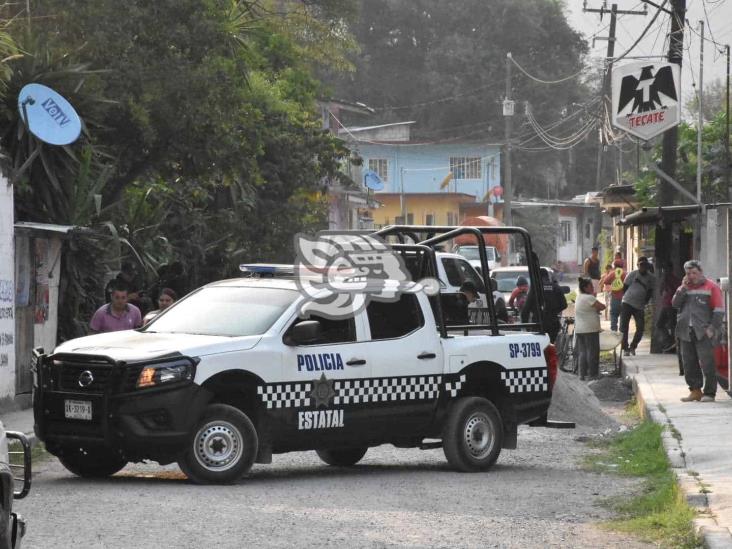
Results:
[372, 180]
[48, 116]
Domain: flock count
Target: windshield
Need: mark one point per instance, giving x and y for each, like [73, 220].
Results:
[225, 311]
[507, 279]
[471, 253]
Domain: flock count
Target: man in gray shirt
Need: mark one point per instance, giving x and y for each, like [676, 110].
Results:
[638, 286]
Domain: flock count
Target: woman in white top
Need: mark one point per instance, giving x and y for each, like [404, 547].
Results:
[587, 329]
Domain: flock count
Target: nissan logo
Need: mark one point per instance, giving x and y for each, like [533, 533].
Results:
[85, 378]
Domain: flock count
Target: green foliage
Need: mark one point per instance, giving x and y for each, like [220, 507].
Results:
[714, 185]
[442, 63]
[659, 513]
[202, 135]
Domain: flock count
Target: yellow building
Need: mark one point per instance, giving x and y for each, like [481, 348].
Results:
[421, 208]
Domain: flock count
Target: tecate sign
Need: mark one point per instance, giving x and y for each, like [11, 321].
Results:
[646, 98]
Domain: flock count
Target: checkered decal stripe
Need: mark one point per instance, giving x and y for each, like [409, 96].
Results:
[360, 391]
[454, 387]
[526, 381]
[286, 395]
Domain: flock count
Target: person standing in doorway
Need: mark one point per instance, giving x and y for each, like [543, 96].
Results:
[700, 307]
[591, 268]
[587, 329]
[638, 291]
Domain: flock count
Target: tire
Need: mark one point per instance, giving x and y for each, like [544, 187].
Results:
[222, 446]
[473, 435]
[342, 457]
[92, 462]
[566, 357]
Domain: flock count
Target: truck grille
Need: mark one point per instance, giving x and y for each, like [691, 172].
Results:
[92, 376]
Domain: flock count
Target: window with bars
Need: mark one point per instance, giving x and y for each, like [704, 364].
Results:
[381, 167]
[466, 167]
[566, 231]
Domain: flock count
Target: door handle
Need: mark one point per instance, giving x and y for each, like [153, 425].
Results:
[356, 362]
[424, 356]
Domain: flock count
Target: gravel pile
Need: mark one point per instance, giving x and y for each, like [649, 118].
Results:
[575, 400]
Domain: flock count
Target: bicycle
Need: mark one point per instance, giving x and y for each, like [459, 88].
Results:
[565, 346]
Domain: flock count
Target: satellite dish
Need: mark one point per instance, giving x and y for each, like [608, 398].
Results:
[48, 116]
[372, 180]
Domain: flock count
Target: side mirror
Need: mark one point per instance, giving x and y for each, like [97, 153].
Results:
[565, 289]
[307, 331]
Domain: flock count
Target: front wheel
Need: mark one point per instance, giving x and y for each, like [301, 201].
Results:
[342, 457]
[473, 435]
[222, 447]
[92, 462]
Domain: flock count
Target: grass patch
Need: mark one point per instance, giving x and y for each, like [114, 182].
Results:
[660, 513]
[38, 453]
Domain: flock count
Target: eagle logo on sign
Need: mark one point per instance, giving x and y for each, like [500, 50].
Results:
[646, 98]
[645, 91]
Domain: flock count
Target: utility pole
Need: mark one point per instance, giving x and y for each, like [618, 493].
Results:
[671, 136]
[728, 166]
[605, 99]
[508, 109]
[700, 129]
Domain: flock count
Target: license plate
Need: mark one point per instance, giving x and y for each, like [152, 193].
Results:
[78, 409]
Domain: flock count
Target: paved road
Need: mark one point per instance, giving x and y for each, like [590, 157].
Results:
[534, 497]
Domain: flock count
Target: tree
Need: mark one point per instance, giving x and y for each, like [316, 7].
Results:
[201, 127]
[714, 183]
[442, 63]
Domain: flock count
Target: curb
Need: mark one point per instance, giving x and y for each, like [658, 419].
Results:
[692, 486]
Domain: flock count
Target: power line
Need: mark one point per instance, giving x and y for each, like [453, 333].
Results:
[648, 26]
[434, 101]
[709, 27]
[539, 80]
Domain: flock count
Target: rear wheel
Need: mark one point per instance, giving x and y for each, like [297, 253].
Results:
[222, 447]
[473, 435]
[92, 462]
[342, 457]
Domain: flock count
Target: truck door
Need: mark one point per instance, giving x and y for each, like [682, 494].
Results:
[321, 375]
[407, 363]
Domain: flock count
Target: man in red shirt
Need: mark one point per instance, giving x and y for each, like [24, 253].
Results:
[700, 308]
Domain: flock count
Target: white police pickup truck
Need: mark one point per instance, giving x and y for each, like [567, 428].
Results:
[232, 374]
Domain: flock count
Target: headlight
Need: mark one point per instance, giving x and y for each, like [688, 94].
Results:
[167, 372]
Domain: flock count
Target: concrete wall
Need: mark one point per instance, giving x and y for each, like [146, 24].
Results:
[7, 293]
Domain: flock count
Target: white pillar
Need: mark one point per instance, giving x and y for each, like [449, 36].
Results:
[7, 292]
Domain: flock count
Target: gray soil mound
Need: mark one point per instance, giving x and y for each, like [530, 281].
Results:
[611, 389]
[574, 400]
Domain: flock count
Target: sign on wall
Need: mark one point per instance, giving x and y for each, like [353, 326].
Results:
[646, 98]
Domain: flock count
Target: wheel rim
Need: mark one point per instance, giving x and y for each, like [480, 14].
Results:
[218, 446]
[479, 438]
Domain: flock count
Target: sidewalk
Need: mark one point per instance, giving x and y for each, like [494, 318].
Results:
[20, 420]
[698, 440]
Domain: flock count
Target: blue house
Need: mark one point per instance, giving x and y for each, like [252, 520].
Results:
[410, 167]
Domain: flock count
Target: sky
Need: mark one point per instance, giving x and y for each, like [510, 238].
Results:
[718, 20]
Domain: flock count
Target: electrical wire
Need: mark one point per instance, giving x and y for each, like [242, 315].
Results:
[539, 80]
[564, 142]
[642, 34]
[709, 27]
